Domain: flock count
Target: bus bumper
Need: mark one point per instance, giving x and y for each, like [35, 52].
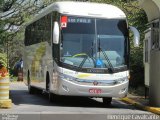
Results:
[69, 88]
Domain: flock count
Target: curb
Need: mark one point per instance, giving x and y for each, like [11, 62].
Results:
[155, 110]
[6, 103]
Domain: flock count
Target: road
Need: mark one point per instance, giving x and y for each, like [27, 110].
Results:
[24, 103]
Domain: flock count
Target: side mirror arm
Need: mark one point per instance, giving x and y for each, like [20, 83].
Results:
[136, 36]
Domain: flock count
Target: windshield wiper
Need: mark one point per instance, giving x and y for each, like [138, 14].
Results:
[111, 69]
[83, 61]
[87, 56]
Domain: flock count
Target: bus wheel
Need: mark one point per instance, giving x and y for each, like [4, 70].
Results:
[30, 88]
[52, 97]
[107, 101]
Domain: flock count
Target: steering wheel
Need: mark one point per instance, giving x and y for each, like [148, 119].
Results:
[79, 54]
[84, 54]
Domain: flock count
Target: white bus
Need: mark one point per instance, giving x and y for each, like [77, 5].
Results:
[78, 49]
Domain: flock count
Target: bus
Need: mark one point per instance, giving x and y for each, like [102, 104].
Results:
[78, 49]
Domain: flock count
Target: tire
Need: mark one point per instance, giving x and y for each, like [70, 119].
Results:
[47, 82]
[30, 88]
[51, 97]
[107, 101]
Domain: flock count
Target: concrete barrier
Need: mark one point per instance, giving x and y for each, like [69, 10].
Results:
[5, 102]
[4, 88]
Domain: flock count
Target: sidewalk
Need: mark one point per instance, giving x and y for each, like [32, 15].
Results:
[141, 103]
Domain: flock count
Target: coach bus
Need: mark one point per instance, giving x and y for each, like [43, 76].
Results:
[78, 49]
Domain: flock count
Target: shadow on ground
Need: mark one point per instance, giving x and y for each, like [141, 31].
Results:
[23, 97]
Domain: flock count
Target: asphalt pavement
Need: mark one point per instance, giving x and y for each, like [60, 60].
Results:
[38, 107]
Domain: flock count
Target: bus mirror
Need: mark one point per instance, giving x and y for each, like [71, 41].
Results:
[56, 33]
[136, 36]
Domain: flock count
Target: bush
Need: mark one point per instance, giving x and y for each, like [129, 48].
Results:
[3, 59]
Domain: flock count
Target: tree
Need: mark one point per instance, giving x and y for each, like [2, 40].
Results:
[13, 15]
[3, 59]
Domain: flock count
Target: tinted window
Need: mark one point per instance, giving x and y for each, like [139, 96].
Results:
[95, 39]
[39, 31]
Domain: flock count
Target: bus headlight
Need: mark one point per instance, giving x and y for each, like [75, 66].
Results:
[67, 77]
[121, 80]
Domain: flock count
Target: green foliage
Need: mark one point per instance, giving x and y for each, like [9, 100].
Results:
[3, 59]
[16, 46]
[136, 67]
[14, 14]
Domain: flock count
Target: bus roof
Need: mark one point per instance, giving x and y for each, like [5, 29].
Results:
[87, 9]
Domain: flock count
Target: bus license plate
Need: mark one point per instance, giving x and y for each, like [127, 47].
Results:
[95, 91]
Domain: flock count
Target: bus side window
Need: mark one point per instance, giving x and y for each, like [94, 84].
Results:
[27, 34]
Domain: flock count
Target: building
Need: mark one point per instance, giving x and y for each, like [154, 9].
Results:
[152, 50]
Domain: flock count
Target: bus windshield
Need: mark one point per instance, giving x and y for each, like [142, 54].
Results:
[86, 42]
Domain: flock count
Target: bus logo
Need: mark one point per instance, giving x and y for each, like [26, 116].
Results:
[99, 62]
[95, 83]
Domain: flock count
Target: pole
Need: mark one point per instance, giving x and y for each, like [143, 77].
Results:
[7, 41]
